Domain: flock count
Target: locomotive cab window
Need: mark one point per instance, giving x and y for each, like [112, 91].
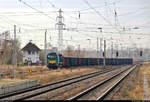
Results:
[51, 56]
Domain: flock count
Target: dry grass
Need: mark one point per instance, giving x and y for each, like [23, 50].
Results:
[44, 75]
[56, 75]
[147, 69]
[22, 67]
[10, 68]
[124, 91]
[137, 93]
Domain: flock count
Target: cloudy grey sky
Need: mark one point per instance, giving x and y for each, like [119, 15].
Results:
[93, 14]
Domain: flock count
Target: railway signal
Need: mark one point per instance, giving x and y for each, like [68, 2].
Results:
[117, 54]
[103, 54]
[141, 53]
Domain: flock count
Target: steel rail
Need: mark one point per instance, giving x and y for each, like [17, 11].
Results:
[56, 84]
[85, 92]
[114, 86]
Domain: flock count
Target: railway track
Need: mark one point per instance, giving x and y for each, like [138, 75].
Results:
[103, 88]
[32, 92]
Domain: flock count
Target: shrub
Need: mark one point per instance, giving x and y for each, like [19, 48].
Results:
[20, 64]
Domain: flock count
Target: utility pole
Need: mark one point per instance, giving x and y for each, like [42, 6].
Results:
[45, 47]
[100, 40]
[112, 50]
[89, 47]
[117, 49]
[60, 26]
[111, 47]
[14, 52]
[78, 50]
[129, 51]
[115, 14]
[97, 52]
[101, 47]
[104, 53]
[122, 54]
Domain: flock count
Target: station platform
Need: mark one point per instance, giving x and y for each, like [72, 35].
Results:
[12, 85]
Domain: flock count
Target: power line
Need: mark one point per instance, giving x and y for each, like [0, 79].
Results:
[113, 32]
[132, 12]
[99, 14]
[36, 9]
[99, 6]
[52, 4]
[114, 12]
[21, 24]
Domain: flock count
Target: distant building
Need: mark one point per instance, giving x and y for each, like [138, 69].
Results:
[31, 54]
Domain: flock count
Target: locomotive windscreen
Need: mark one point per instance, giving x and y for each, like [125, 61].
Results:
[51, 56]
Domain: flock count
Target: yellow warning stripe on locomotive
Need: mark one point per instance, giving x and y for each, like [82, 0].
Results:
[52, 62]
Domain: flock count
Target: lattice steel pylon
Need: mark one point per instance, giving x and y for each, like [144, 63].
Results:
[60, 27]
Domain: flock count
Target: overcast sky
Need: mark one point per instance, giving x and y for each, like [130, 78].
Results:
[93, 14]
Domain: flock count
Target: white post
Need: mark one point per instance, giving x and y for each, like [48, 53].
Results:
[14, 52]
[112, 50]
[45, 47]
[104, 53]
[97, 52]
[101, 47]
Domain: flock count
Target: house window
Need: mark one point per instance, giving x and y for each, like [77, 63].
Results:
[33, 52]
[29, 52]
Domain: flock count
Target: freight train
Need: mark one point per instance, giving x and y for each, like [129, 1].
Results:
[54, 61]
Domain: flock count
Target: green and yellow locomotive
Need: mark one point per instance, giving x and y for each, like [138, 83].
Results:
[53, 60]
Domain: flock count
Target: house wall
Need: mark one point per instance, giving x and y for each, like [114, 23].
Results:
[34, 57]
[1, 44]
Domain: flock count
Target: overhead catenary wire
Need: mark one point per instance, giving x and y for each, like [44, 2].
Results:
[38, 27]
[115, 13]
[81, 23]
[81, 10]
[52, 4]
[99, 14]
[11, 22]
[36, 9]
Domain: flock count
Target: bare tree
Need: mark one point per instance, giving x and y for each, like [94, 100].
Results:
[7, 48]
[71, 52]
